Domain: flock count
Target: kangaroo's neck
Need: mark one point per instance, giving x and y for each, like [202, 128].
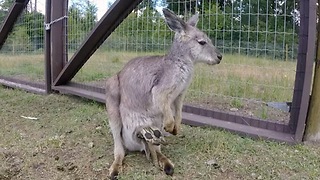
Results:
[180, 54]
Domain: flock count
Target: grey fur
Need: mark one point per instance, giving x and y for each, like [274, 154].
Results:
[148, 91]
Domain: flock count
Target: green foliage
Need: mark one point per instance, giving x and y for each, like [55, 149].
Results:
[246, 27]
[6, 4]
[28, 33]
[143, 30]
[82, 18]
[19, 40]
[256, 28]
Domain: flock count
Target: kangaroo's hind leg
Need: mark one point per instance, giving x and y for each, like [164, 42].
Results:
[115, 123]
[163, 100]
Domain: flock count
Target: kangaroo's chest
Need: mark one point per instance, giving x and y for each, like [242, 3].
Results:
[182, 79]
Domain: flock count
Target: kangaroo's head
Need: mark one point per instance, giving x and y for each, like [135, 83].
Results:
[191, 40]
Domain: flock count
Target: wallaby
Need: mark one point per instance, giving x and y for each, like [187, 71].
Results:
[146, 96]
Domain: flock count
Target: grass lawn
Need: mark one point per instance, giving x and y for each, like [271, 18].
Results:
[239, 82]
[71, 140]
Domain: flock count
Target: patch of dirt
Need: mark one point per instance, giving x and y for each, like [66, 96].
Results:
[243, 107]
[11, 166]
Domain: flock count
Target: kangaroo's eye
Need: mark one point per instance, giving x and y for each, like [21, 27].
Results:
[202, 42]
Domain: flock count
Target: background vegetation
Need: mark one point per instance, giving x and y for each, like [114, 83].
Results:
[258, 28]
[258, 40]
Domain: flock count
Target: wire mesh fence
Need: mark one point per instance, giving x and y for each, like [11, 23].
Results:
[259, 40]
[21, 56]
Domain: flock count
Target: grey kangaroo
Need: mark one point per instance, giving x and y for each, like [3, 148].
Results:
[145, 98]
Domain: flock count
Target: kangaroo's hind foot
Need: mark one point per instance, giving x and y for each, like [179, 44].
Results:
[151, 135]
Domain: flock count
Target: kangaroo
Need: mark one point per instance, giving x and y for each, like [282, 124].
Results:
[145, 98]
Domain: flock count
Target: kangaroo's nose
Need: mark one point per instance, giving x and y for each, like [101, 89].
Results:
[219, 57]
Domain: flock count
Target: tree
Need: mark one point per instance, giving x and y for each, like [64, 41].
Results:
[19, 40]
[35, 20]
[4, 8]
[82, 18]
[90, 15]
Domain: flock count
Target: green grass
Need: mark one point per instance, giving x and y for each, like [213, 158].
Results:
[237, 77]
[27, 67]
[57, 146]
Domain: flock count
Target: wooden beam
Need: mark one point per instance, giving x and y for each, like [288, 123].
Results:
[301, 96]
[313, 120]
[58, 28]
[14, 12]
[110, 21]
[47, 43]
[310, 57]
[21, 84]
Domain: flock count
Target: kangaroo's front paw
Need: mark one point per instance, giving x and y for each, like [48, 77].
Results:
[169, 127]
[176, 130]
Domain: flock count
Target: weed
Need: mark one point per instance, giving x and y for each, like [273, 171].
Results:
[237, 103]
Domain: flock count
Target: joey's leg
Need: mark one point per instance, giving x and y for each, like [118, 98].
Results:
[151, 136]
[164, 162]
[153, 139]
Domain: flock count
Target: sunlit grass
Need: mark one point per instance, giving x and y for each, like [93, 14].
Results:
[235, 81]
[25, 66]
[247, 77]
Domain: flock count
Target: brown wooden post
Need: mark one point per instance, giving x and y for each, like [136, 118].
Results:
[58, 36]
[313, 120]
[47, 56]
[301, 96]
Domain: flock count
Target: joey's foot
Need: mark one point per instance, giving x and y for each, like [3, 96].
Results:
[165, 164]
[114, 173]
[151, 135]
[168, 169]
[114, 176]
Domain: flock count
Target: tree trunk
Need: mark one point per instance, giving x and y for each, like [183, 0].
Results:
[313, 120]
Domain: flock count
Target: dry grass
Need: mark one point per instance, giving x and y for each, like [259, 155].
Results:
[71, 140]
[29, 67]
[240, 82]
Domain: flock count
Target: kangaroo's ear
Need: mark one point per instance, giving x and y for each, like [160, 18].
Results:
[174, 22]
[194, 20]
